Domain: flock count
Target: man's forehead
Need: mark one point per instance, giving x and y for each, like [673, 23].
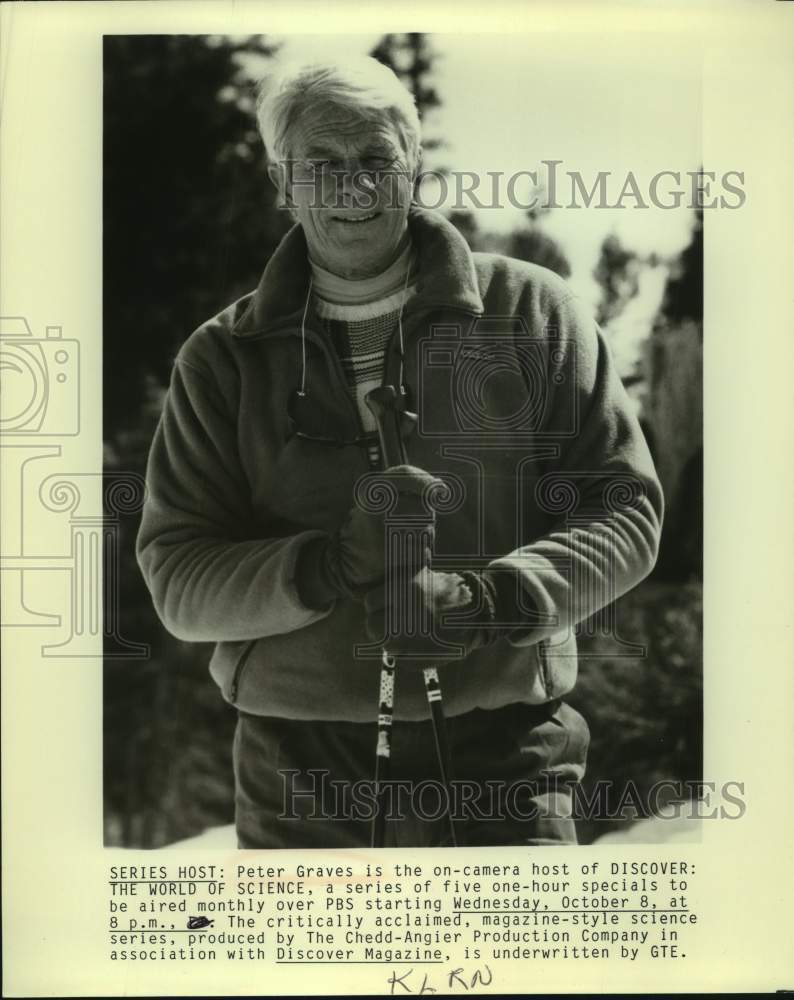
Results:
[340, 133]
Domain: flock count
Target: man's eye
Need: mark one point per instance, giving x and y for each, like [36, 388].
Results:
[328, 166]
[319, 167]
[376, 162]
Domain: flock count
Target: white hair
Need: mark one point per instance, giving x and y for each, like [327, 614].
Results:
[361, 85]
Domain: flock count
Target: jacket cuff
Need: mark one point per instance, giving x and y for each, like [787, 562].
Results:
[509, 614]
[315, 588]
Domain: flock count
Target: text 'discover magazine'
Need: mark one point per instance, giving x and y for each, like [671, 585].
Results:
[396, 499]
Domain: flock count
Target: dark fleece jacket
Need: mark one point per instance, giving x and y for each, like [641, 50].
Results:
[520, 408]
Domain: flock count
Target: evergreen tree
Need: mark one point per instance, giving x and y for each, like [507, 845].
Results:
[189, 214]
[189, 223]
[617, 271]
[412, 59]
[532, 244]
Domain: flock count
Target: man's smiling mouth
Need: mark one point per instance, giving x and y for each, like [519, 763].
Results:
[356, 220]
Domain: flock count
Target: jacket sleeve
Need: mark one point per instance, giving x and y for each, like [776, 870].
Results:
[601, 497]
[210, 578]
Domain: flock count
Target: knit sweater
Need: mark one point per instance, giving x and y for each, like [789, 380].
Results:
[360, 317]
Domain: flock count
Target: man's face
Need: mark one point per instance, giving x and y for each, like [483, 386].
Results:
[349, 183]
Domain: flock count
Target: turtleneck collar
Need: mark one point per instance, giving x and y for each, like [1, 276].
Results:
[360, 291]
[445, 276]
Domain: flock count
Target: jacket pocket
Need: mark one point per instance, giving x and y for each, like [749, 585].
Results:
[239, 670]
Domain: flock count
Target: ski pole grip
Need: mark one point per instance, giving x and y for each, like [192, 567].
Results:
[386, 406]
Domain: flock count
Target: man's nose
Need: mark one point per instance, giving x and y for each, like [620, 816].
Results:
[354, 180]
[349, 171]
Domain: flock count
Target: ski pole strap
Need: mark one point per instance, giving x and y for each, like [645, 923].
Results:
[432, 684]
[385, 706]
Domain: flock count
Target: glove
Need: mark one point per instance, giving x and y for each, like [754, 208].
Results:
[408, 620]
[352, 560]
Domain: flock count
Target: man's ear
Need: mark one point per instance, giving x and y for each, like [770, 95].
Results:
[279, 178]
[416, 173]
[418, 167]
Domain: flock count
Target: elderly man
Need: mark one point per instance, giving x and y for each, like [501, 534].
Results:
[255, 536]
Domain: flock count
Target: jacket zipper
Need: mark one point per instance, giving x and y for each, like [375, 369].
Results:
[238, 670]
[544, 664]
[332, 359]
[410, 324]
[330, 356]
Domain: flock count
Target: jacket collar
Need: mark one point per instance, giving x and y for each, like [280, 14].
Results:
[447, 276]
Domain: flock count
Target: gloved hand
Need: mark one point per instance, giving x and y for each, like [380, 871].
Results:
[405, 618]
[352, 560]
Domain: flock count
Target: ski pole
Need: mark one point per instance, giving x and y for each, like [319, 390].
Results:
[385, 406]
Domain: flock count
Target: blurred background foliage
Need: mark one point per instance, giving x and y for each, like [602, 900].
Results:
[189, 222]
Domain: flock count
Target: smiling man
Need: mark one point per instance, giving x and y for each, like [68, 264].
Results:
[348, 178]
[255, 535]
